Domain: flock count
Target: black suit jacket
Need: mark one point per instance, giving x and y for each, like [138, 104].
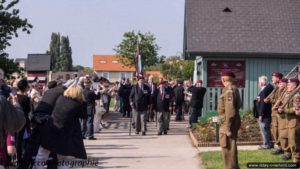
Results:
[153, 93]
[178, 95]
[260, 107]
[48, 101]
[163, 103]
[197, 96]
[139, 98]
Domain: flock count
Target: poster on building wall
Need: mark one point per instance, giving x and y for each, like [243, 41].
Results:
[214, 69]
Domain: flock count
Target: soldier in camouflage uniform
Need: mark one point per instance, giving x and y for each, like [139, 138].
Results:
[229, 104]
[293, 120]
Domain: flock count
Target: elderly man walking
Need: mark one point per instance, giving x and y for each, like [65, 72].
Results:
[140, 101]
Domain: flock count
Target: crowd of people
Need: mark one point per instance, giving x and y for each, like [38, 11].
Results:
[277, 109]
[49, 123]
[60, 115]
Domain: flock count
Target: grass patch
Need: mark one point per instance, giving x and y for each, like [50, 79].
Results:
[214, 160]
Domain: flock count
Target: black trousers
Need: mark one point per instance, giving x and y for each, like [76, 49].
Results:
[178, 110]
[31, 151]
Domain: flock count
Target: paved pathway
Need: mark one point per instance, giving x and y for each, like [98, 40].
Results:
[116, 149]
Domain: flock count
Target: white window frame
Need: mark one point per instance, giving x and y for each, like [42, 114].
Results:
[107, 75]
[102, 61]
[114, 62]
[121, 75]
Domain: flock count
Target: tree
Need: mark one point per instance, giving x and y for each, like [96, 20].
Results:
[65, 54]
[61, 53]
[8, 65]
[88, 70]
[174, 68]
[9, 26]
[78, 68]
[127, 49]
[55, 51]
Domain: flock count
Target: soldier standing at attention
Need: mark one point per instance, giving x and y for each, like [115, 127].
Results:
[274, 96]
[282, 122]
[293, 119]
[229, 104]
[296, 155]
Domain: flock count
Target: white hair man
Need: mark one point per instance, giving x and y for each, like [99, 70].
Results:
[264, 111]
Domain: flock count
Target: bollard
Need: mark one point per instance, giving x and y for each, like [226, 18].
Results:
[217, 132]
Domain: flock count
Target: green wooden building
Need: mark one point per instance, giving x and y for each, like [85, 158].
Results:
[251, 38]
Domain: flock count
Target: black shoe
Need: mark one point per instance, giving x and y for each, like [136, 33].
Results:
[133, 126]
[165, 132]
[168, 128]
[285, 158]
[137, 133]
[277, 152]
[83, 138]
[124, 115]
[143, 133]
[91, 138]
[159, 133]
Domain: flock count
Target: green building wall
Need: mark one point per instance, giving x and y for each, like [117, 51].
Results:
[255, 67]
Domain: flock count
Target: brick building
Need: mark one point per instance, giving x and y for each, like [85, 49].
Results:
[109, 67]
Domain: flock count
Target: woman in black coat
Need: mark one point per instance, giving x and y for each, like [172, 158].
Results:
[62, 133]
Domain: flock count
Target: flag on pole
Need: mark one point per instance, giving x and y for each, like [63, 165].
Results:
[138, 62]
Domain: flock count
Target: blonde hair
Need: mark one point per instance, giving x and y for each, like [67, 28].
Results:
[227, 78]
[74, 92]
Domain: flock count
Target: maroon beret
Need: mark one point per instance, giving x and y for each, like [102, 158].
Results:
[140, 77]
[199, 81]
[283, 80]
[162, 82]
[277, 74]
[227, 73]
[294, 80]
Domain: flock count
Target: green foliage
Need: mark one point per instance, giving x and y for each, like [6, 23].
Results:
[8, 65]
[55, 51]
[88, 70]
[214, 159]
[154, 68]
[65, 55]
[248, 132]
[10, 24]
[127, 49]
[78, 68]
[61, 53]
[175, 68]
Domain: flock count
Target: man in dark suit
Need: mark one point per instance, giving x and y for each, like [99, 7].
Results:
[163, 105]
[197, 93]
[178, 100]
[124, 93]
[140, 101]
[87, 125]
[153, 88]
[264, 111]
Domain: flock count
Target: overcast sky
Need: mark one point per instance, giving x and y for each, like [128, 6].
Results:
[97, 26]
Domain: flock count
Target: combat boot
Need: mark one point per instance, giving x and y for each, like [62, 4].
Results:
[277, 152]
